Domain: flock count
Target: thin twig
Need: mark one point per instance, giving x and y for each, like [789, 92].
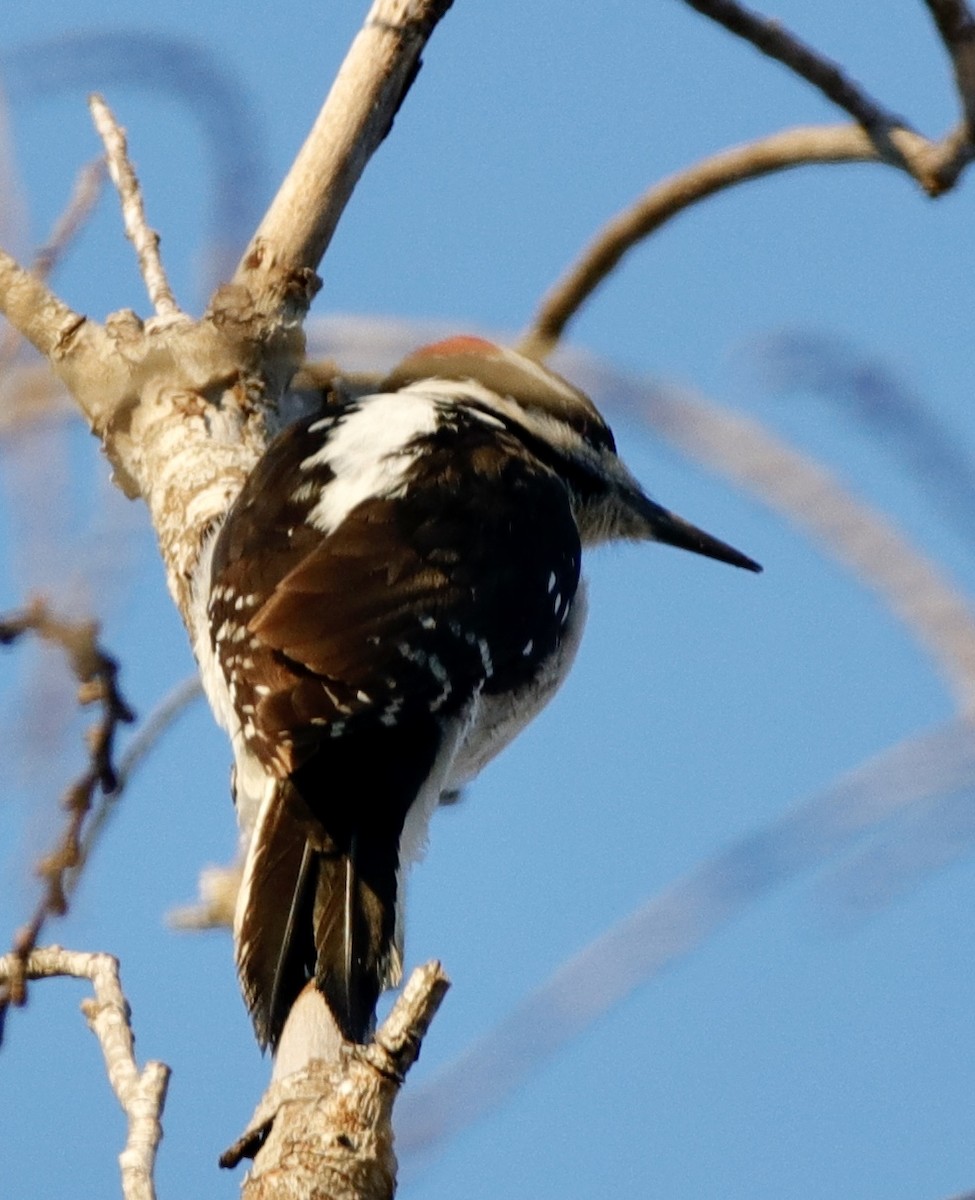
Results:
[773, 39]
[144, 239]
[146, 738]
[957, 28]
[778, 152]
[96, 673]
[84, 196]
[142, 1095]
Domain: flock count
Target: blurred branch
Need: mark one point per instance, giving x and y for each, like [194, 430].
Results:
[218, 887]
[911, 586]
[29, 393]
[146, 738]
[96, 673]
[676, 922]
[144, 239]
[142, 1095]
[156, 725]
[214, 96]
[868, 389]
[936, 833]
[81, 204]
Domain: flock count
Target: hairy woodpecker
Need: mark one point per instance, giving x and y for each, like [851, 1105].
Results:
[393, 595]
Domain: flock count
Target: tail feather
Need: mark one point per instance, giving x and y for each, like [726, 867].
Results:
[354, 930]
[280, 999]
[313, 908]
[272, 928]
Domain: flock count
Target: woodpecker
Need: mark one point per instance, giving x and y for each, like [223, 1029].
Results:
[393, 595]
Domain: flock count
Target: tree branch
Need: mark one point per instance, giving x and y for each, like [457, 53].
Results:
[84, 195]
[326, 1131]
[773, 39]
[185, 409]
[144, 239]
[879, 136]
[778, 152]
[146, 738]
[957, 28]
[142, 1095]
[96, 673]
[357, 115]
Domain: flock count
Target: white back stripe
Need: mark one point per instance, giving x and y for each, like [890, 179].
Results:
[365, 452]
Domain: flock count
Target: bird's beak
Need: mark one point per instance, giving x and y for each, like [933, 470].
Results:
[660, 525]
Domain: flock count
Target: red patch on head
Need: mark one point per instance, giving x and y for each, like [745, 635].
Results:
[462, 344]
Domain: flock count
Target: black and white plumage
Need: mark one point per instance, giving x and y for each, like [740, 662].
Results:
[394, 594]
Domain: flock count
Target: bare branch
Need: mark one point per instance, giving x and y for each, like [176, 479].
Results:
[777, 42]
[96, 673]
[84, 196]
[142, 1095]
[778, 152]
[144, 239]
[34, 310]
[957, 28]
[326, 1130]
[879, 136]
[185, 409]
[30, 394]
[370, 87]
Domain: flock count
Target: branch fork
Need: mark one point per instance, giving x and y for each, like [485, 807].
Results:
[326, 1130]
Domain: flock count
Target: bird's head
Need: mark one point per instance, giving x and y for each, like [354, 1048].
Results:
[566, 432]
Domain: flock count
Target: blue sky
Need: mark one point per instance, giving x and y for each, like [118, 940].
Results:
[817, 1040]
